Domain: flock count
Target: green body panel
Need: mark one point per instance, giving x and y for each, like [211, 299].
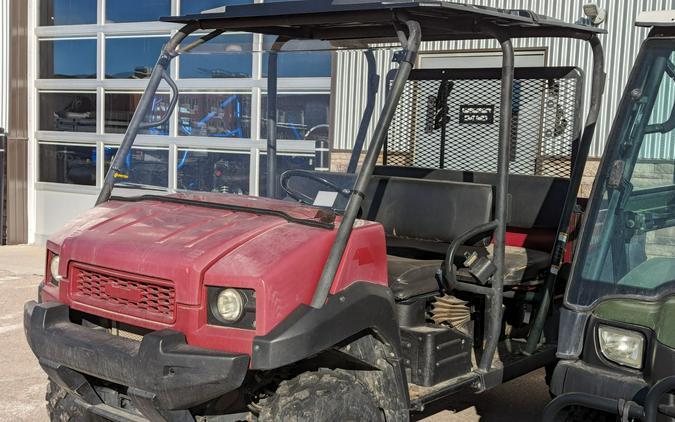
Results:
[658, 316]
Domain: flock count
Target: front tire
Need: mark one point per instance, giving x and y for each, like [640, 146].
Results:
[326, 395]
[61, 406]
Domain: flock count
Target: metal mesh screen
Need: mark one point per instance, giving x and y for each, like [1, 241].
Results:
[449, 119]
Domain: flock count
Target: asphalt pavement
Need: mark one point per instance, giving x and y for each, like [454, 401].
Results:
[22, 383]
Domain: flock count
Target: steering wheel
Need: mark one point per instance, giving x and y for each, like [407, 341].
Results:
[302, 197]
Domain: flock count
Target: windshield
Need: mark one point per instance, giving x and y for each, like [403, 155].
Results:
[629, 247]
[217, 138]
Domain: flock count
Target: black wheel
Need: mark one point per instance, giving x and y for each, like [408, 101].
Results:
[61, 406]
[327, 396]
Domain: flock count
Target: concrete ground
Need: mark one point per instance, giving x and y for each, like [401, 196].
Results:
[22, 383]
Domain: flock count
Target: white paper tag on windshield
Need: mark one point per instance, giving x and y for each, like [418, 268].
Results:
[325, 199]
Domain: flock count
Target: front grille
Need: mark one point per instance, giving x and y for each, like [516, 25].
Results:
[126, 294]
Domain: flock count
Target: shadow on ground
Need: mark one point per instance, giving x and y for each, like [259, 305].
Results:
[522, 399]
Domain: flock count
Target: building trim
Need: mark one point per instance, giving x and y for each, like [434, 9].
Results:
[17, 142]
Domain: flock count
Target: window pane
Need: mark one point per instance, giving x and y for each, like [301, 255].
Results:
[218, 115]
[132, 58]
[284, 162]
[301, 65]
[66, 59]
[298, 64]
[223, 57]
[67, 12]
[72, 164]
[631, 247]
[211, 171]
[72, 112]
[120, 107]
[299, 115]
[193, 7]
[136, 11]
[146, 166]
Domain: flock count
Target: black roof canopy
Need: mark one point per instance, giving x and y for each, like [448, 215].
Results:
[333, 20]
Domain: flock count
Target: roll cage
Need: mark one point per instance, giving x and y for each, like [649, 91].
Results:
[407, 23]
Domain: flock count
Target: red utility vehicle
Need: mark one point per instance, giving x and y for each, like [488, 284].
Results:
[367, 295]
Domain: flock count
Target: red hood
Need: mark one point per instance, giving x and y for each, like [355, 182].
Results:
[176, 242]
[192, 246]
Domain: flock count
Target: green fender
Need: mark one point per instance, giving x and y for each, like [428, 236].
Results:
[658, 316]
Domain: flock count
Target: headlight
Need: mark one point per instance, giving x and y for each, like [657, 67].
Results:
[624, 347]
[230, 305]
[54, 269]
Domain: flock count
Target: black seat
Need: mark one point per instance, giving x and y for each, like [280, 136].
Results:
[536, 201]
[422, 210]
[410, 277]
[421, 217]
[522, 265]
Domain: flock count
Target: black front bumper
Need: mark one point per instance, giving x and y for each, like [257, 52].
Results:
[578, 376]
[576, 383]
[164, 375]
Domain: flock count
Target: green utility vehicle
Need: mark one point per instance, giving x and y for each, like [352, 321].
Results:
[617, 337]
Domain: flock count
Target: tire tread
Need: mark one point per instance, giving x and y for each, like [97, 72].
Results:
[326, 395]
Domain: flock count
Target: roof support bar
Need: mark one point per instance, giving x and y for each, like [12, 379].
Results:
[203, 40]
[597, 90]
[411, 43]
[272, 115]
[159, 72]
[373, 86]
[495, 302]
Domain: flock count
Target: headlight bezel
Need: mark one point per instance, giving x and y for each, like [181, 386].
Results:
[636, 337]
[247, 320]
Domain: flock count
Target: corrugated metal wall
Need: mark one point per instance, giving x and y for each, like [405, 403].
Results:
[621, 47]
[4, 63]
